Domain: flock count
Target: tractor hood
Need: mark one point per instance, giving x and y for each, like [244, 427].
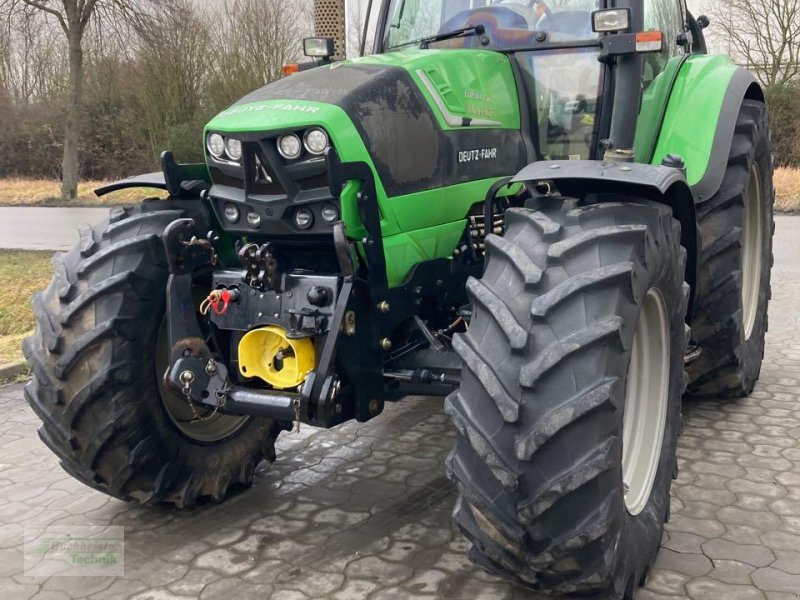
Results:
[436, 127]
[423, 119]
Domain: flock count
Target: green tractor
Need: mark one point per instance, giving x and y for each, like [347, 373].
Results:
[557, 215]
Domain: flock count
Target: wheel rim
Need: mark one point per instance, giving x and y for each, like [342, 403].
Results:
[214, 427]
[646, 398]
[752, 238]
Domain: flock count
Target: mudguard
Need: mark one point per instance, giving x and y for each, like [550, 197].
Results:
[181, 181]
[148, 180]
[579, 177]
[701, 116]
[666, 184]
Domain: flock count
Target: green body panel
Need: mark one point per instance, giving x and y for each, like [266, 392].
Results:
[478, 84]
[443, 205]
[421, 226]
[654, 101]
[690, 122]
[405, 250]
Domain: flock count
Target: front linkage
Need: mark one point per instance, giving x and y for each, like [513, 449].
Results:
[201, 377]
[351, 314]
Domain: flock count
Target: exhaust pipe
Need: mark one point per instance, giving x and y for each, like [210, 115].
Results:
[329, 22]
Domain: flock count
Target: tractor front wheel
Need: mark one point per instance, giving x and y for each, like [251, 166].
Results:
[98, 356]
[569, 407]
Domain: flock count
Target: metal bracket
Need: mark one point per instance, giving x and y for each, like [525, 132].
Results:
[340, 173]
[261, 266]
[189, 354]
[321, 376]
[488, 204]
[194, 372]
[184, 250]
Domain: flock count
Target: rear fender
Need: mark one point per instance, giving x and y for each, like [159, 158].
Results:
[701, 117]
[579, 178]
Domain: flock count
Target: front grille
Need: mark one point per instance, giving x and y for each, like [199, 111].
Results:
[313, 182]
[218, 176]
[264, 172]
[255, 175]
[261, 176]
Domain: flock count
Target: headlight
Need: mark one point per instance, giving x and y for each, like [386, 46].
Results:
[316, 141]
[231, 213]
[330, 213]
[615, 19]
[289, 146]
[216, 145]
[253, 218]
[304, 218]
[234, 148]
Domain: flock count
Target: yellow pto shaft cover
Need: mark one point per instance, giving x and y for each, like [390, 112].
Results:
[269, 354]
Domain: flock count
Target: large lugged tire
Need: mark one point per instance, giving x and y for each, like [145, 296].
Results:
[95, 382]
[548, 409]
[733, 284]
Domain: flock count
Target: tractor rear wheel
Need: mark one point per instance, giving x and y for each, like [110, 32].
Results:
[98, 356]
[733, 283]
[569, 407]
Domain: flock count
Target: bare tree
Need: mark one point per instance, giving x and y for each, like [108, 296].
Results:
[356, 15]
[765, 34]
[31, 57]
[172, 68]
[73, 17]
[153, 74]
[251, 41]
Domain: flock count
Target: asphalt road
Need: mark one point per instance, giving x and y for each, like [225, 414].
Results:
[44, 228]
[362, 511]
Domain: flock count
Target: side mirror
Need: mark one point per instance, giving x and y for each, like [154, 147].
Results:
[318, 47]
[703, 21]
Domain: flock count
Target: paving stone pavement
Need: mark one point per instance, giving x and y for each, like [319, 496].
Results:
[363, 511]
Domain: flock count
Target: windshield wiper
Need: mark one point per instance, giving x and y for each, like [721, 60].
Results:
[400, 16]
[447, 35]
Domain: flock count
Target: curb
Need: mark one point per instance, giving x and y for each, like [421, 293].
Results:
[12, 369]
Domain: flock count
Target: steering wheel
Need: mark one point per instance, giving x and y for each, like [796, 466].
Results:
[504, 26]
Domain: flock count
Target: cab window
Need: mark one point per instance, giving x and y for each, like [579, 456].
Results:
[666, 16]
[509, 24]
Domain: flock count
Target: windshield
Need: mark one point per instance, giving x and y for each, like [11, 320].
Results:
[509, 24]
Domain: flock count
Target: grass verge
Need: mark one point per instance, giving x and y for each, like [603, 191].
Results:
[787, 190]
[23, 274]
[40, 192]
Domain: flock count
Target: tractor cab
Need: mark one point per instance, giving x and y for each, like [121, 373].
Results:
[559, 51]
[555, 51]
[507, 24]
